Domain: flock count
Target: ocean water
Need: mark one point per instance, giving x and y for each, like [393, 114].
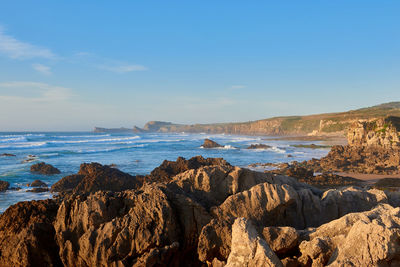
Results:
[132, 153]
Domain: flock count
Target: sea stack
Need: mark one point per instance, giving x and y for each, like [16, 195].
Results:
[208, 143]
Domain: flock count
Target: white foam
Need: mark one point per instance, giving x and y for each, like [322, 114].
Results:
[94, 140]
[24, 145]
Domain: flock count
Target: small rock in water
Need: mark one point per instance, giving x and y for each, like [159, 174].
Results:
[44, 168]
[4, 185]
[258, 146]
[37, 183]
[7, 155]
[210, 144]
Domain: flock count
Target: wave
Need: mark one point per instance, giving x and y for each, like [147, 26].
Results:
[277, 150]
[80, 136]
[24, 145]
[94, 140]
[90, 151]
[13, 139]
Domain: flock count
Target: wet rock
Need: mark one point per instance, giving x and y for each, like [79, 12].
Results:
[7, 155]
[93, 177]
[38, 190]
[43, 168]
[37, 183]
[210, 144]
[258, 146]
[4, 185]
[27, 234]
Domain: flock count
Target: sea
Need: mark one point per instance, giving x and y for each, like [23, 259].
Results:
[131, 153]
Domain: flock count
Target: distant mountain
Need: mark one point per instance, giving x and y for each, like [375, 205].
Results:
[318, 124]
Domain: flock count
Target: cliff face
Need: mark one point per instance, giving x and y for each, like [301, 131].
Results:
[380, 133]
[320, 124]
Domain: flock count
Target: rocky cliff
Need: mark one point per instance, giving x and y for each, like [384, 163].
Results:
[200, 212]
[384, 132]
[320, 124]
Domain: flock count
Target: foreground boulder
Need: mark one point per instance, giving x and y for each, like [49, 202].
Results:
[27, 234]
[43, 168]
[210, 144]
[129, 228]
[4, 185]
[370, 238]
[248, 248]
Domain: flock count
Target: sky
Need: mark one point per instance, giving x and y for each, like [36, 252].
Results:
[73, 65]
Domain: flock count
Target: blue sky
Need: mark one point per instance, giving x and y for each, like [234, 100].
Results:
[68, 65]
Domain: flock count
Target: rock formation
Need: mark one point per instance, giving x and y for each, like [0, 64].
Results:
[210, 144]
[199, 212]
[43, 168]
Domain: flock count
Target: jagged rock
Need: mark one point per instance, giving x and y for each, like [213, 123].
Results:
[169, 169]
[265, 204]
[210, 144]
[248, 249]
[37, 183]
[93, 177]
[369, 238]
[4, 185]
[44, 168]
[280, 205]
[258, 146]
[67, 183]
[38, 190]
[115, 228]
[27, 234]
[129, 228]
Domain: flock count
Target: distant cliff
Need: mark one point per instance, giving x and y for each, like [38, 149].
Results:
[320, 124]
[379, 132]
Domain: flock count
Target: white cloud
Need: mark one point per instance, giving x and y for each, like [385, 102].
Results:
[34, 92]
[238, 86]
[122, 68]
[42, 68]
[16, 49]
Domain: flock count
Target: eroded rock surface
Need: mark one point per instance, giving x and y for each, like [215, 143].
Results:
[27, 234]
[200, 211]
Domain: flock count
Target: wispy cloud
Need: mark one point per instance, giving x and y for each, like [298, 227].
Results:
[13, 48]
[38, 92]
[122, 68]
[233, 87]
[42, 68]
